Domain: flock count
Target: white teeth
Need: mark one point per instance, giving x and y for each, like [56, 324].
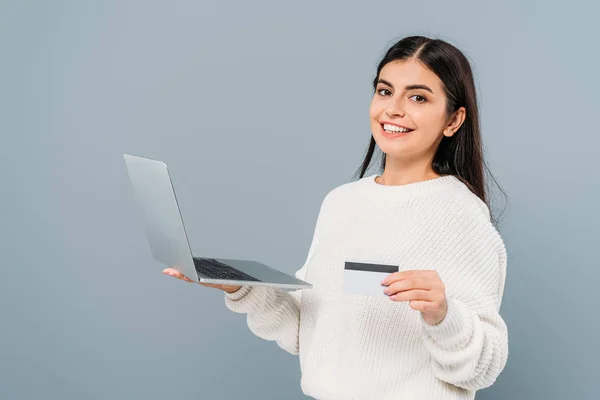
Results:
[394, 128]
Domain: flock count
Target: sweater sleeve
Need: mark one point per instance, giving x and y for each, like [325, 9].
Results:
[469, 348]
[274, 314]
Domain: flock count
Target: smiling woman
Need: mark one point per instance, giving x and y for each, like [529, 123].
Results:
[425, 97]
[432, 329]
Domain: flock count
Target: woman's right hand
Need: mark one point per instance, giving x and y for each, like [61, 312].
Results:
[178, 275]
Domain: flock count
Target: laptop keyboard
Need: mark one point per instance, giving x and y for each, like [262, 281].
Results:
[214, 269]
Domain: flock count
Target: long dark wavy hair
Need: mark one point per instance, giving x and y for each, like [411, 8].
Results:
[460, 155]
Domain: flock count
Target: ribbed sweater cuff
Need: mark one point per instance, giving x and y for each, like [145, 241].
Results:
[456, 328]
[238, 294]
[247, 299]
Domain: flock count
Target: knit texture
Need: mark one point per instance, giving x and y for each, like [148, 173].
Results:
[354, 346]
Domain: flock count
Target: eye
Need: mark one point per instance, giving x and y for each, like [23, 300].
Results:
[383, 92]
[418, 98]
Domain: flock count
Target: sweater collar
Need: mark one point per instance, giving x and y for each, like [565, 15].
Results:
[414, 188]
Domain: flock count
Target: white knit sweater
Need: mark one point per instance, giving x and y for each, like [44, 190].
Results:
[369, 347]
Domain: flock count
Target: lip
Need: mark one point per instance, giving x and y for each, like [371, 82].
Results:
[396, 134]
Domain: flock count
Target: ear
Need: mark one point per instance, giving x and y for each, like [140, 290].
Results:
[455, 122]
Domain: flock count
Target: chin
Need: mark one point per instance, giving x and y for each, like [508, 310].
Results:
[392, 147]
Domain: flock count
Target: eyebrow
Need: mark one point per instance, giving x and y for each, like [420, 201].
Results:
[409, 87]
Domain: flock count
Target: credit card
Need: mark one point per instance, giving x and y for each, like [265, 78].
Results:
[365, 278]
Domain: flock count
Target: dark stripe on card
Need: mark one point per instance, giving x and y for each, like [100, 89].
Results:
[358, 266]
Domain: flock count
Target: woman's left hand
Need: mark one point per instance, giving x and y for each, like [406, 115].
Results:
[423, 289]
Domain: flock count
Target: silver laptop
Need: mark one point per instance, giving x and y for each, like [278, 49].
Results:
[155, 196]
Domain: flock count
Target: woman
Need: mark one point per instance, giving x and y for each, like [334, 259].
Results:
[438, 334]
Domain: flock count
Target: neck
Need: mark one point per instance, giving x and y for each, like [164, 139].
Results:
[398, 173]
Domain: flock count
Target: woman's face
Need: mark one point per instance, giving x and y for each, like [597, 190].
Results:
[408, 111]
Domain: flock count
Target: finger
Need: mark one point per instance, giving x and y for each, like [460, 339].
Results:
[402, 275]
[174, 273]
[420, 305]
[177, 274]
[427, 307]
[169, 271]
[396, 276]
[410, 274]
[408, 284]
[415, 294]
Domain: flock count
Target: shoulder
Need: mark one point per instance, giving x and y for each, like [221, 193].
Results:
[469, 230]
[345, 191]
[459, 197]
[453, 197]
[468, 216]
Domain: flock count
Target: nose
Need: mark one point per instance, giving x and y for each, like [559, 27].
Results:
[395, 108]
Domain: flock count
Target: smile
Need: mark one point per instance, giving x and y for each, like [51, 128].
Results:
[390, 130]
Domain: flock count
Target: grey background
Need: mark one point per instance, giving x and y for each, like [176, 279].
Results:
[260, 108]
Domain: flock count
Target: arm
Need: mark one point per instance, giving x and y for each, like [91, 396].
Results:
[469, 347]
[274, 314]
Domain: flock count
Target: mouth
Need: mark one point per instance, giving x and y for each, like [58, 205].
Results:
[394, 129]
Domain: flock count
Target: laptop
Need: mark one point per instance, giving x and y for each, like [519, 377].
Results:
[155, 197]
